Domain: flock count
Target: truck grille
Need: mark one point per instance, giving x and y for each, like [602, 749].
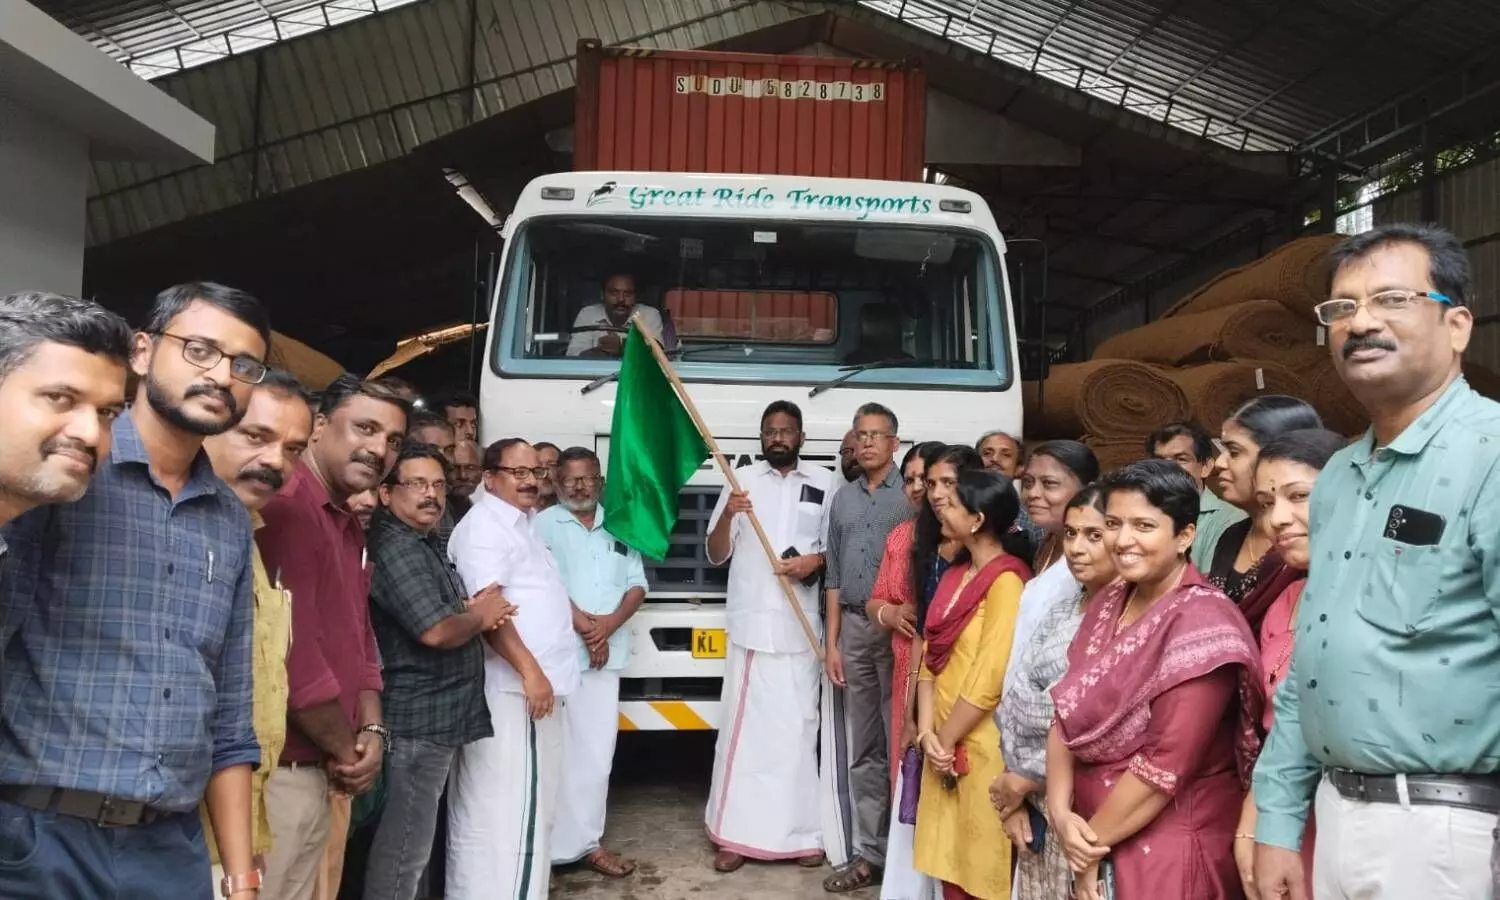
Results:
[686, 570]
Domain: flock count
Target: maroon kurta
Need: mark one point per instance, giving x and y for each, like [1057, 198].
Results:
[1173, 699]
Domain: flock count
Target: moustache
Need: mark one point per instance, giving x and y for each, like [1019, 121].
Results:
[1360, 342]
[367, 458]
[61, 444]
[269, 477]
[429, 503]
[528, 489]
[209, 390]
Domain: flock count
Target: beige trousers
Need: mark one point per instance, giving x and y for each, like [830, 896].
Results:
[297, 803]
[331, 872]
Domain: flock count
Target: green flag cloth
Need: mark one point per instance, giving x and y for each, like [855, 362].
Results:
[654, 448]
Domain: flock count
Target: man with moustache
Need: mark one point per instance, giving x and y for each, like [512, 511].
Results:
[599, 330]
[503, 794]
[1385, 721]
[429, 633]
[466, 474]
[1189, 446]
[313, 545]
[547, 453]
[848, 462]
[255, 458]
[606, 581]
[362, 505]
[127, 690]
[764, 802]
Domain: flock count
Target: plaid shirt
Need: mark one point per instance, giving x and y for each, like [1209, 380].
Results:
[430, 693]
[127, 622]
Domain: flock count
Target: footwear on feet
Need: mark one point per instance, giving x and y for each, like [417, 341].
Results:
[608, 863]
[857, 874]
[727, 861]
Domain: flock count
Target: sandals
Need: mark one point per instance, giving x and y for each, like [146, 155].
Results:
[726, 861]
[812, 862]
[858, 874]
[608, 863]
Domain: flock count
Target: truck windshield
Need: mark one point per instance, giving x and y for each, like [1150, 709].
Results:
[733, 297]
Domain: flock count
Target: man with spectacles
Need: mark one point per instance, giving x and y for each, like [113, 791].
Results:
[315, 546]
[764, 802]
[547, 453]
[430, 636]
[502, 798]
[859, 660]
[127, 690]
[606, 581]
[1385, 719]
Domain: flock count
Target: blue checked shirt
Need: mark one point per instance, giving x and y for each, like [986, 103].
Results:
[126, 622]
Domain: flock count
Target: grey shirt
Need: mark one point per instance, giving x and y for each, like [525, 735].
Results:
[858, 525]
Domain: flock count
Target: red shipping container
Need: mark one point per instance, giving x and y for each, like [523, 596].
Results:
[748, 113]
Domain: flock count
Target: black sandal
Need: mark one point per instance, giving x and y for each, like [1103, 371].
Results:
[858, 874]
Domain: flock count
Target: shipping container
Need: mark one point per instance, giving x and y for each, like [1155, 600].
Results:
[747, 113]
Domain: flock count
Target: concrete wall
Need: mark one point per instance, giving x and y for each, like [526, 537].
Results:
[44, 175]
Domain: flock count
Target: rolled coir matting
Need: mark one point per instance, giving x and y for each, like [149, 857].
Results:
[1116, 450]
[1105, 397]
[1215, 390]
[1255, 329]
[1325, 390]
[1294, 275]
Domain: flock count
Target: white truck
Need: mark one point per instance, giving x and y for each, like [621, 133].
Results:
[827, 292]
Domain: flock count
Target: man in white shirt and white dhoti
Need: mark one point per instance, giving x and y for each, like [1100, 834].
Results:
[764, 802]
[502, 793]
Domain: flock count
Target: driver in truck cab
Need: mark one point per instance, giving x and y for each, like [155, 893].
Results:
[594, 331]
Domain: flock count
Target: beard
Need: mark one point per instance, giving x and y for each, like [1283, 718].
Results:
[176, 416]
[780, 456]
[578, 506]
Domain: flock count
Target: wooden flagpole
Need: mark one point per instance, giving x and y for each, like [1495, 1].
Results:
[734, 484]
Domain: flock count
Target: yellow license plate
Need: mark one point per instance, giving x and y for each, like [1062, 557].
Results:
[708, 643]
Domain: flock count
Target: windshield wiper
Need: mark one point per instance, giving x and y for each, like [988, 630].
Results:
[674, 354]
[851, 371]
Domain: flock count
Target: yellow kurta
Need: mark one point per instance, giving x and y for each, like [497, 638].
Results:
[959, 836]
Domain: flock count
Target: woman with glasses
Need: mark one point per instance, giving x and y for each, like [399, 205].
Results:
[1157, 716]
[1284, 477]
[1026, 710]
[1245, 564]
[893, 607]
[968, 633]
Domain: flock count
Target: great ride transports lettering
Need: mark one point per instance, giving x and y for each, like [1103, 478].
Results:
[797, 200]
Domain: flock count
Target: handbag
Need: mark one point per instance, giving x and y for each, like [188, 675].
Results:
[911, 785]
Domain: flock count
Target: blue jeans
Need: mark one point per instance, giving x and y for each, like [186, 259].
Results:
[415, 773]
[49, 856]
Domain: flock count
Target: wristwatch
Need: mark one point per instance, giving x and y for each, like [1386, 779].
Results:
[245, 881]
[380, 731]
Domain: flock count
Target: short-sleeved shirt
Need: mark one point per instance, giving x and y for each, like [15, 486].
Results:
[793, 509]
[431, 693]
[497, 543]
[593, 316]
[126, 621]
[597, 569]
[316, 548]
[861, 521]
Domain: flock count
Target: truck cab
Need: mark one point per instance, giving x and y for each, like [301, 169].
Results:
[827, 292]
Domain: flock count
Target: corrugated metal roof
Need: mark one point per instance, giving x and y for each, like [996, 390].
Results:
[372, 90]
[1251, 74]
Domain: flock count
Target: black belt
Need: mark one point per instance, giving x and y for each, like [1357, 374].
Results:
[1478, 792]
[106, 812]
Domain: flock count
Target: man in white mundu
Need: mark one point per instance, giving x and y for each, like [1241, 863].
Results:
[502, 793]
[764, 802]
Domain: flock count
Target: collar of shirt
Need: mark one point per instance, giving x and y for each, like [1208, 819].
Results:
[1414, 438]
[507, 513]
[386, 524]
[306, 483]
[127, 448]
[892, 478]
[569, 517]
[763, 469]
[1209, 502]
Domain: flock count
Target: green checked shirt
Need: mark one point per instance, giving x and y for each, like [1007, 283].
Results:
[1396, 667]
[430, 693]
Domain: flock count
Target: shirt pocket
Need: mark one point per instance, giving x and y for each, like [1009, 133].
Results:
[1400, 594]
[808, 536]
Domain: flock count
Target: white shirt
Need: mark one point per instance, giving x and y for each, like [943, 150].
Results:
[793, 510]
[594, 316]
[496, 543]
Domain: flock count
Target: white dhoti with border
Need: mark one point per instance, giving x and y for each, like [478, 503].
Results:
[763, 803]
[591, 724]
[901, 880]
[502, 799]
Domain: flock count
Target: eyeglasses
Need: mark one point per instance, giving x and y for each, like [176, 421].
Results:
[772, 434]
[520, 474]
[581, 481]
[205, 356]
[1381, 305]
[423, 486]
[870, 437]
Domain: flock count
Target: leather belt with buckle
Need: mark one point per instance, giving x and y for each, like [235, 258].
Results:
[106, 812]
[1477, 792]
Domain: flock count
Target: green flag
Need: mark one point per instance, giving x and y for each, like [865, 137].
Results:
[654, 448]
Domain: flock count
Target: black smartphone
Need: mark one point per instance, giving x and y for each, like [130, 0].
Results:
[1107, 880]
[1038, 829]
[1413, 526]
[791, 553]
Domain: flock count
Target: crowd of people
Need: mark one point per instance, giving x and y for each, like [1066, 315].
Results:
[231, 612]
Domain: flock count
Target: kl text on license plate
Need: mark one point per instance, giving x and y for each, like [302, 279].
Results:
[708, 643]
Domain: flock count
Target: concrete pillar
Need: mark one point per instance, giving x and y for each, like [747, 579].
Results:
[44, 180]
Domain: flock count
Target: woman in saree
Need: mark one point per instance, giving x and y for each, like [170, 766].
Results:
[1026, 707]
[967, 633]
[1244, 564]
[1055, 471]
[1284, 478]
[1158, 715]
